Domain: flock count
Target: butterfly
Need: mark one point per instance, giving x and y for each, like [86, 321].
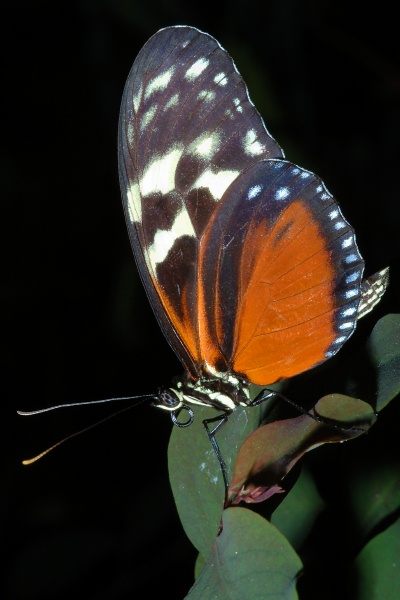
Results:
[252, 271]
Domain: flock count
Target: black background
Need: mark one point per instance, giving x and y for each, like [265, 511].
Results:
[96, 517]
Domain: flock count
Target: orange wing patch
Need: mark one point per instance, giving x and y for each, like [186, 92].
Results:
[284, 324]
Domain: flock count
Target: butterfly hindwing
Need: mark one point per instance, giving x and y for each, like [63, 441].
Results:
[280, 275]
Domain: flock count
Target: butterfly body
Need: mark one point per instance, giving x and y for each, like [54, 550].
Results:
[250, 267]
[215, 392]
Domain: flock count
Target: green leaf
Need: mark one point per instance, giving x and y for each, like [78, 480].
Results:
[378, 566]
[195, 473]
[296, 515]
[384, 351]
[375, 493]
[199, 566]
[271, 451]
[249, 559]
[355, 416]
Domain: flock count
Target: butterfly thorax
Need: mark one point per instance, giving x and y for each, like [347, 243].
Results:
[220, 393]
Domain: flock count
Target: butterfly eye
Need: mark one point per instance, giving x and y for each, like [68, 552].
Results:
[169, 399]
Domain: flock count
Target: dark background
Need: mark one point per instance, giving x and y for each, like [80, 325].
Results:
[96, 517]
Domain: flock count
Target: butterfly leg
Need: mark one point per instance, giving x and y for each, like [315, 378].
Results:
[175, 414]
[222, 419]
[267, 394]
[263, 396]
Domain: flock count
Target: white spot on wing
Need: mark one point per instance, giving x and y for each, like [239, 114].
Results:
[136, 99]
[147, 117]
[252, 146]
[165, 239]
[350, 258]
[130, 133]
[217, 183]
[348, 312]
[282, 193]
[205, 146]
[197, 68]
[254, 191]
[159, 83]
[353, 277]
[340, 225]
[206, 95]
[173, 101]
[160, 174]
[221, 79]
[236, 102]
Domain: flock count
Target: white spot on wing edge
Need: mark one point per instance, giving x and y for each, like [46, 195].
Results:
[217, 183]
[134, 204]
[165, 239]
[340, 225]
[353, 276]
[347, 243]
[160, 174]
[348, 312]
[350, 258]
[130, 133]
[136, 99]
[351, 294]
[252, 146]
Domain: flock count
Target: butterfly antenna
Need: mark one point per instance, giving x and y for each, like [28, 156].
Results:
[29, 461]
[143, 398]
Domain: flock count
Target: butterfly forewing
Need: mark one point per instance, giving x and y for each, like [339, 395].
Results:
[187, 130]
